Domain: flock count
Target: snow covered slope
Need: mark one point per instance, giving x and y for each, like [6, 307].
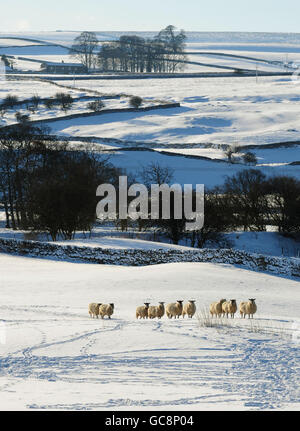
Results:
[56, 357]
[213, 110]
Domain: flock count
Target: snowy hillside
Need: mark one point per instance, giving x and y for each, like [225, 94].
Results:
[57, 357]
[220, 111]
[52, 354]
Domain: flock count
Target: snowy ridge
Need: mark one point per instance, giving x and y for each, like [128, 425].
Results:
[289, 267]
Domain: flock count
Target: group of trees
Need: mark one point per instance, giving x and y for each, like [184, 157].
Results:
[232, 152]
[248, 200]
[131, 53]
[44, 186]
[63, 100]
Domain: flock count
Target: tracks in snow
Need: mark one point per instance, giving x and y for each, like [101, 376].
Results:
[213, 365]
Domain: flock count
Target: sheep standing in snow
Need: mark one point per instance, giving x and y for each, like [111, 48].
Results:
[106, 310]
[248, 307]
[174, 309]
[142, 311]
[229, 307]
[216, 308]
[189, 308]
[152, 312]
[94, 309]
[160, 310]
[156, 311]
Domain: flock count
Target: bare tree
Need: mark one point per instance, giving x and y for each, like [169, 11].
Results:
[154, 173]
[84, 47]
[284, 203]
[174, 46]
[230, 151]
[246, 195]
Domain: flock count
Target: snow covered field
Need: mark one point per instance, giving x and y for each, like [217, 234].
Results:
[56, 357]
[78, 107]
[220, 111]
[236, 110]
[191, 171]
[53, 355]
[26, 89]
[107, 236]
[266, 46]
[265, 156]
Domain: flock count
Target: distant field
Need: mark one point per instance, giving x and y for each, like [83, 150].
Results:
[221, 111]
[214, 111]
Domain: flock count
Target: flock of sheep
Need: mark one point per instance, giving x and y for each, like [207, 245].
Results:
[177, 309]
[224, 308]
[101, 310]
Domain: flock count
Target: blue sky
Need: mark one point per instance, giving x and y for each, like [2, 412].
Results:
[191, 15]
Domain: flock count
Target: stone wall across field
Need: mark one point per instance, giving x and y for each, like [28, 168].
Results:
[289, 267]
[108, 111]
[93, 114]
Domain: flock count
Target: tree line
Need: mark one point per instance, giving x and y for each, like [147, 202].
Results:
[46, 186]
[164, 53]
[248, 201]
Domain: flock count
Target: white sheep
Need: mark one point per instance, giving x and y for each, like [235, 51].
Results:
[189, 308]
[142, 311]
[174, 309]
[229, 307]
[106, 310]
[152, 312]
[94, 309]
[160, 310]
[248, 307]
[156, 311]
[215, 308]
